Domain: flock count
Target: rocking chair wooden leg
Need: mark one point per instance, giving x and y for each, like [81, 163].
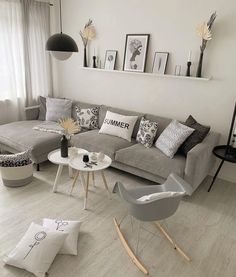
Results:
[168, 237]
[128, 249]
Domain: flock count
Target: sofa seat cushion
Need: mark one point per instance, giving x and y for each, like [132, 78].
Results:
[151, 160]
[20, 136]
[95, 142]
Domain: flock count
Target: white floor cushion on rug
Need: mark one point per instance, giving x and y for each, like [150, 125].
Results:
[72, 228]
[36, 250]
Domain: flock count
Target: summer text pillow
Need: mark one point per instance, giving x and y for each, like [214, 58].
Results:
[58, 108]
[36, 250]
[87, 118]
[172, 137]
[118, 125]
[71, 228]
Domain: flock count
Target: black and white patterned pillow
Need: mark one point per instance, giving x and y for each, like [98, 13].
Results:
[147, 132]
[15, 160]
[87, 118]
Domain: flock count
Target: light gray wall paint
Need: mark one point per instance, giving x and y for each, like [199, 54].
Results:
[172, 26]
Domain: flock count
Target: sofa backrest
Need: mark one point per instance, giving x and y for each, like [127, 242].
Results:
[104, 109]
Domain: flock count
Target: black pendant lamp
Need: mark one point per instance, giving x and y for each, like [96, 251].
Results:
[61, 45]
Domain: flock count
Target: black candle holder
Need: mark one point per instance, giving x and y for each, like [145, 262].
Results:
[94, 62]
[188, 69]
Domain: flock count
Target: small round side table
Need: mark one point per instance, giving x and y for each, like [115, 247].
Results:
[225, 153]
[89, 168]
[55, 158]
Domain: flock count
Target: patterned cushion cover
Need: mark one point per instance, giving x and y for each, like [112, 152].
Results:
[15, 160]
[87, 118]
[172, 137]
[147, 132]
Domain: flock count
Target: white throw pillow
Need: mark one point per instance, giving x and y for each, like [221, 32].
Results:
[71, 228]
[160, 195]
[172, 137]
[36, 250]
[58, 108]
[118, 125]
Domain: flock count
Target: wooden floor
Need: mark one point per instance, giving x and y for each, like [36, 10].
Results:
[204, 225]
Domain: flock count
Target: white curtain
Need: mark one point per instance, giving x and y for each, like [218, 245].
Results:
[25, 71]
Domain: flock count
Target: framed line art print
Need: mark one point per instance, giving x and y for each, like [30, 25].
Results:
[136, 47]
[160, 62]
[110, 60]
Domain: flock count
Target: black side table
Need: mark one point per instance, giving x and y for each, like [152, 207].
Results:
[225, 153]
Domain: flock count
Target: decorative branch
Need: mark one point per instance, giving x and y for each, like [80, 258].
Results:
[88, 32]
[204, 31]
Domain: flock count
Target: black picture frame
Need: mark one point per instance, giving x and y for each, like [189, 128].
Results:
[132, 52]
[112, 66]
[163, 59]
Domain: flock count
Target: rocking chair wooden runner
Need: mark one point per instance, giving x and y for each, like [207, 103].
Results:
[152, 210]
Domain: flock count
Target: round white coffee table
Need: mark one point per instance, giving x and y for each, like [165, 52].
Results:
[55, 157]
[89, 168]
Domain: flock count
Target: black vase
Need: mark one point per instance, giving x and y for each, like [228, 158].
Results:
[64, 147]
[199, 67]
[85, 57]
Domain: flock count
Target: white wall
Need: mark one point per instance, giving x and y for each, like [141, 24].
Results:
[172, 26]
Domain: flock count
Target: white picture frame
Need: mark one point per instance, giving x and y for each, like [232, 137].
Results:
[110, 59]
[160, 62]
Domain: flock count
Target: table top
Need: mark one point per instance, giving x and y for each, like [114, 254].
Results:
[221, 153]
[55, 156]
[78, 164]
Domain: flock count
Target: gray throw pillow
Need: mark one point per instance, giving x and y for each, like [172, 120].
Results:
[42, 108]
[58, 108]
[200, 132]
[172, 137]
[87, 118]
[147, 132]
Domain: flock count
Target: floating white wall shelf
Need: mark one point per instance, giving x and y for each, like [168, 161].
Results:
[167, 76]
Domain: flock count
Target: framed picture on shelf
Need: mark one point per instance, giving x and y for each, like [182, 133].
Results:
[110, 59]
[136, 47]
[160, 62]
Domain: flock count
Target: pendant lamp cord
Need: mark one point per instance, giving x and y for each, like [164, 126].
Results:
[60, 18]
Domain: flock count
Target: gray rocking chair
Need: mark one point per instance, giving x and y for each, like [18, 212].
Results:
[152, 210]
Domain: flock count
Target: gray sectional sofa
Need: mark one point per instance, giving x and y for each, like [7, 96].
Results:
[149, 163]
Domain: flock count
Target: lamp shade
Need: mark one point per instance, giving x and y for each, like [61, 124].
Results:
[62, 43]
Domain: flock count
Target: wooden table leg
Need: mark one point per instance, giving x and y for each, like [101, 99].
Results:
[86, 191]
[93, 177]
[105, 184]
[59, 170]
[216, 174]
[74, 182]
[70, 171]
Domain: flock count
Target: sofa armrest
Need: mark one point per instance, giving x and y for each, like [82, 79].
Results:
[32, 113]
[200, 160]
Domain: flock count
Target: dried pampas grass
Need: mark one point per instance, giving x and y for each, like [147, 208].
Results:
[204, 32]
[69, 125]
